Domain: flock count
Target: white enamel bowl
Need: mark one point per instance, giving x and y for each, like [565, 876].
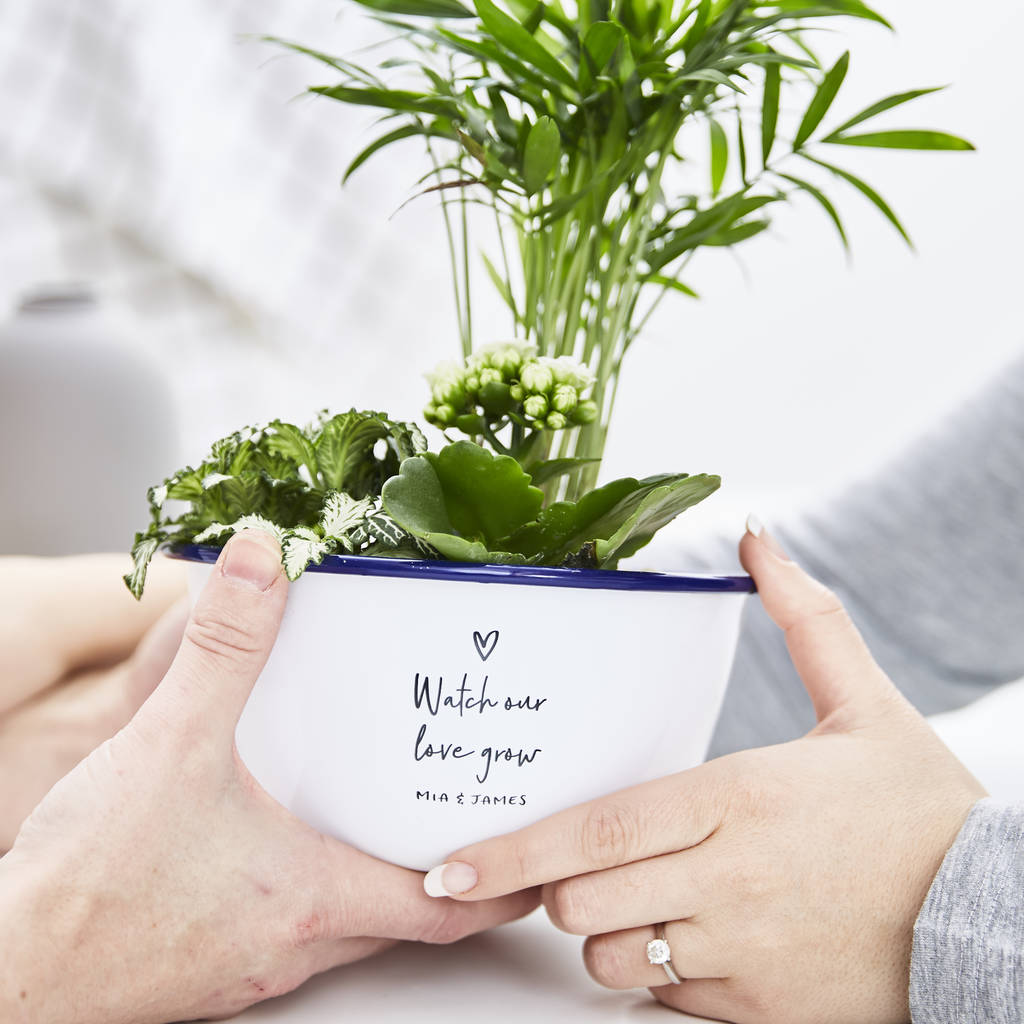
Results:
[411, 708]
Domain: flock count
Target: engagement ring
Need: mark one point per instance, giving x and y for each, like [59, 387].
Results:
[658, 952]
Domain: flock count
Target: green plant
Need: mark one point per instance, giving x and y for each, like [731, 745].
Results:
[573, 126]
[359, 483]
[564, 125]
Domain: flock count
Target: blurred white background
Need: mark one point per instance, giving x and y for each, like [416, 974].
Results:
[165, 154]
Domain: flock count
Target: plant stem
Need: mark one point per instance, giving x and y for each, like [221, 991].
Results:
[463, 335]
[467, 342]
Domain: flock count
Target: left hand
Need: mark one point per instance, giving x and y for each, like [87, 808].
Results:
[78, 656]
[789, 877]
[159, 882]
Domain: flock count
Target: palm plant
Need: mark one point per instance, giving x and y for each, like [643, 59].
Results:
[566, 122]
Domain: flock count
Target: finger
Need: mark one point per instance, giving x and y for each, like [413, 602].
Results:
[400, 909]
[661, 888]
[63, 615]
[713, 998]
[663, 816]
[827, 650]
[153, 657]
[620, 960]
[227, 638]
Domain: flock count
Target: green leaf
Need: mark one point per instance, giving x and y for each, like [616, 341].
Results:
[719, 157]
[888, 103]
[565, 526]
[301, 548]
[697, 30]
[289, 441]
[345, 446]
[486, 496]
[142, 554]
[738, 233]
[770, 110]
[819, 105]
[463, 490]
[649, 510]
[406, 132]
[552, 469]
[414, 499]
[390, 99]
[741, 147]
[671, 282]
[235, 496]
[710, 75]
[866, 190]
[419, 8]
[815, 8]
[908, 139]
[502, 286]
[185, 486]
[338, 63]
[704, 225]
[508, 32]
[342, 514]
[600, 42]
[824, 201]
[458, 549]
[541, 154]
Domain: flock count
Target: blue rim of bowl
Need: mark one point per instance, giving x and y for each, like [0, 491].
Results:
[521, 575]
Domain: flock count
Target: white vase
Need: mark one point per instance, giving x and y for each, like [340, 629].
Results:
[410, 708]
[87, 421]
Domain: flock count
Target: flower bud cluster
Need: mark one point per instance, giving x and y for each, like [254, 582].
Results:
[510, 380]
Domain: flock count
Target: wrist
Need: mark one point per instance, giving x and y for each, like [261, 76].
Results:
[32, 937]
[20, 984]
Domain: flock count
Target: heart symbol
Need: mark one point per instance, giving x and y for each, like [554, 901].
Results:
[485, 644]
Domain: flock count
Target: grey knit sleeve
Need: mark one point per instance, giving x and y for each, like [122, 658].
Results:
[968, 958]
[928, 557]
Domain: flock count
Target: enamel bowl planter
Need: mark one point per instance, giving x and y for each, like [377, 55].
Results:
[412, 707]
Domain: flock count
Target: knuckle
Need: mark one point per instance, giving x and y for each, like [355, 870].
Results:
[220, 636]
[447, 924]
[757, 791]
[746, 880]
[266, 980]
[609, 834]
[310, 930]
[761, 1004]
[826, 609]
[608, 964]
[318, 911]
[522, 856]
[570, 906]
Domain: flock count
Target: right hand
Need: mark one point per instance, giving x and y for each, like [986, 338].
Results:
[158, 881]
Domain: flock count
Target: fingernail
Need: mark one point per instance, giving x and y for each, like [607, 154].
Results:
[449, 879]
[756, 529]
[253, 558]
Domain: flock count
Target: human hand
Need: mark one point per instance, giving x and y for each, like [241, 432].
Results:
[790, 876]
[62, 616]
[158, 882]
[78, 656]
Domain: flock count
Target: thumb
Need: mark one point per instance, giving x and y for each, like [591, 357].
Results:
[228, 636]
[400, 909]
[827, 650]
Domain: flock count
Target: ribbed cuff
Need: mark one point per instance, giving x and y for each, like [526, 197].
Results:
[968, 957]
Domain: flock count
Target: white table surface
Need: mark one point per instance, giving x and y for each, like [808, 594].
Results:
[520, 972]
[529, 970]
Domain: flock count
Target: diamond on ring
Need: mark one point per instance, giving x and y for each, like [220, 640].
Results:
[658, 952]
